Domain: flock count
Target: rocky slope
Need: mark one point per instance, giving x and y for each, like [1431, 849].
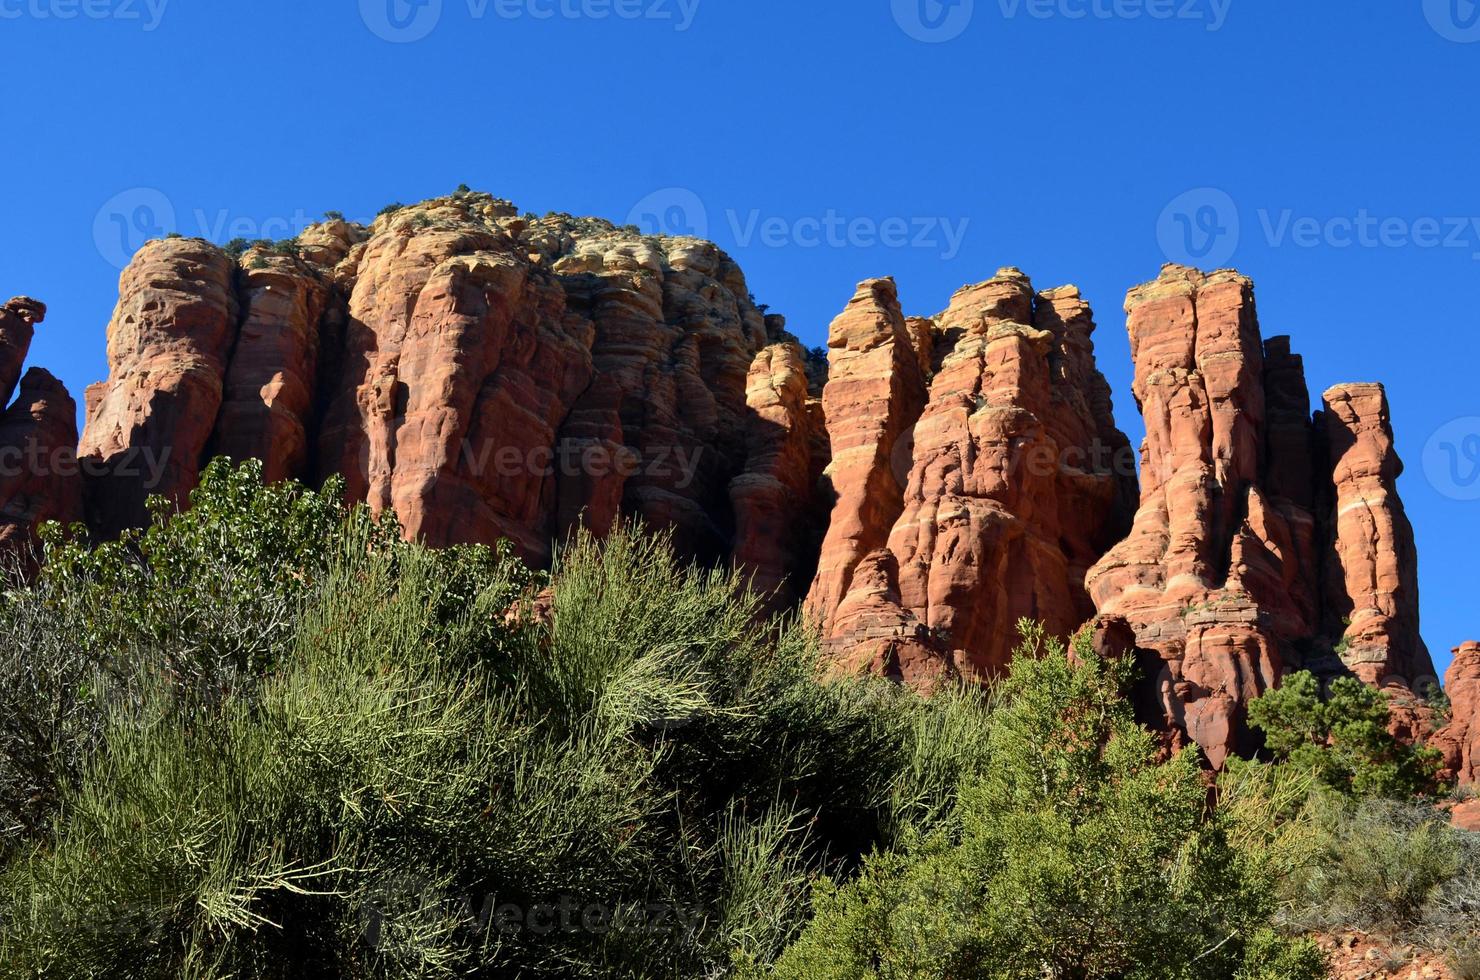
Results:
[492, 375]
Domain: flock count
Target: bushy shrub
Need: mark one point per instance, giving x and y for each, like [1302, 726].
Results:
[395, 774]
[1343, 737]
[1074, 853]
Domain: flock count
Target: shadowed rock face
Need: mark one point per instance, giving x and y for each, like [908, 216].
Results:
[1265, 541]
[973, 461]
[39, 478]
[38, 438]
[38, 461]
[18, 319]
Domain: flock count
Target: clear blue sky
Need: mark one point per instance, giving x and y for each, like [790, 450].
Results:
[1059, 131]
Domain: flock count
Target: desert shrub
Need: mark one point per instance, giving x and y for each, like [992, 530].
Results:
[1342, 737]
[393, 776]
[1073, 853]
[1381, 863]
[390, 209]
[236, 248]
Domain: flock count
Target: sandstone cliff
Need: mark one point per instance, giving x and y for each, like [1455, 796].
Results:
[974, 463]
[1265, 541]
[492, 375]
[487, 374]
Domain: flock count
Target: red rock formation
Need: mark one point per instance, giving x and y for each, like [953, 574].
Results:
[457, 367]
[1008, 490]
[1372, 584]
[1219, 576]
[875, 393]
[268, 398]
[1459, 740]
[17, 326]
[168, 343]
[874, 634]
[39, 478]
[772, 537]
[487, 375]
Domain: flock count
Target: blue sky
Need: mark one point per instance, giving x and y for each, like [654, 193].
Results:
[1328, 148]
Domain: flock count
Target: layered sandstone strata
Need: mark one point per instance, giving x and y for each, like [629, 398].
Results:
[168, 346]
[974, 462]
[1243, 513]
[775, 527]
[489, 375]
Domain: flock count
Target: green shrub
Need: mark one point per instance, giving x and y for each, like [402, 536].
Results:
[322, 751]
[1073, 854]
[1392, 868]
[1342, 737]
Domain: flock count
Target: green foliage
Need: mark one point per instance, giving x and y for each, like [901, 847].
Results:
[1072, 854]
[1342, 737]
[236, 248]
[333, 215]
[311, 749]
[390, 209]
